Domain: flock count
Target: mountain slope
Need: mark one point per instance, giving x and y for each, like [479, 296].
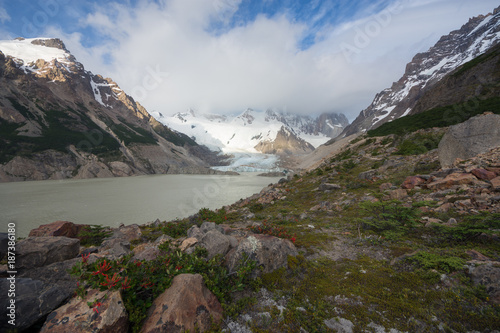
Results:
[427, 69]
[58, 120]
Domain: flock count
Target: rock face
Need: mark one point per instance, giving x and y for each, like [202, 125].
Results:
[58, 228]
[40, 251]
[108, 315]
[470, 138]
[186, 305]
[270, 252]
[34, 299]
[285, 143]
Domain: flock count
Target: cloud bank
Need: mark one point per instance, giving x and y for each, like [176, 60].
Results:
[181, 54]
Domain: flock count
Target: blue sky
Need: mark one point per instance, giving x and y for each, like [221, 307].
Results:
[223, 56]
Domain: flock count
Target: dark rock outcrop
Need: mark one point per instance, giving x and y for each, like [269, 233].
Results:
[41, 251]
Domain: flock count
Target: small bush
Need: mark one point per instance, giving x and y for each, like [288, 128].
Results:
[389, 217]
[93, 235]
[443, 264]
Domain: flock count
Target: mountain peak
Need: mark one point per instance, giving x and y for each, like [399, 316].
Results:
[426, 69]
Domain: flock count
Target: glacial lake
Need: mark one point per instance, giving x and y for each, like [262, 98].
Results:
[112, 201]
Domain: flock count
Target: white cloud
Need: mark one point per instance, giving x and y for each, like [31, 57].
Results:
[260, 64]
[4, 16]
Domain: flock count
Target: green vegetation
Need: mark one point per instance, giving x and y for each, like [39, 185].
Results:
[93, 235]
[419, 143]
[142, 281]
[438, 117]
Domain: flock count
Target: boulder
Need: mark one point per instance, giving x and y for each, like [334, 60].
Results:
[129, 233]
[146, 251]
[411, 182]
[41, 251]
[488, 275]
[108, 315]
[483, 174]
[187, 243]
[115, 248]
[215, 243]
[207, 226]
[58, 228]
[270, 252]
[195, 232]
[475, 136]
[34, 299]
[186, 305]
[56, 274]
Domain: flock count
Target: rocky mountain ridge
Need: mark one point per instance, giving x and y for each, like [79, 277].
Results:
[427, 69]
[243, 132]
[58, 121]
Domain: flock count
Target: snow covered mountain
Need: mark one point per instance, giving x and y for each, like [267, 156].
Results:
[58, 120]
[251, 129]
[426, 69]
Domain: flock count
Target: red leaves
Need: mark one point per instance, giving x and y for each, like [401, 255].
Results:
[110, 283]
[85, 258]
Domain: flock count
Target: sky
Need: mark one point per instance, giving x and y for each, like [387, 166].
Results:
[223, 56]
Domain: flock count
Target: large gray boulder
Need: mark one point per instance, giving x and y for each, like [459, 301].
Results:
[215, 243]
[475, 136]
[34, 299]
[41, 251]
[270, 252]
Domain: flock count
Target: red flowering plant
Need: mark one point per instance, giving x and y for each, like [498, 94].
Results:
[141, 281]
[268, 228]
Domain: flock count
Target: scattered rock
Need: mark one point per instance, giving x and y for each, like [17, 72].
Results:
[411, 182]
[41, 251]
[108, 315]
[477, 135]
[451, 180]
[186, 305]
[58, 228]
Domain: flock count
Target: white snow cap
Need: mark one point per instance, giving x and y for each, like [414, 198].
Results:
[24, 50]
